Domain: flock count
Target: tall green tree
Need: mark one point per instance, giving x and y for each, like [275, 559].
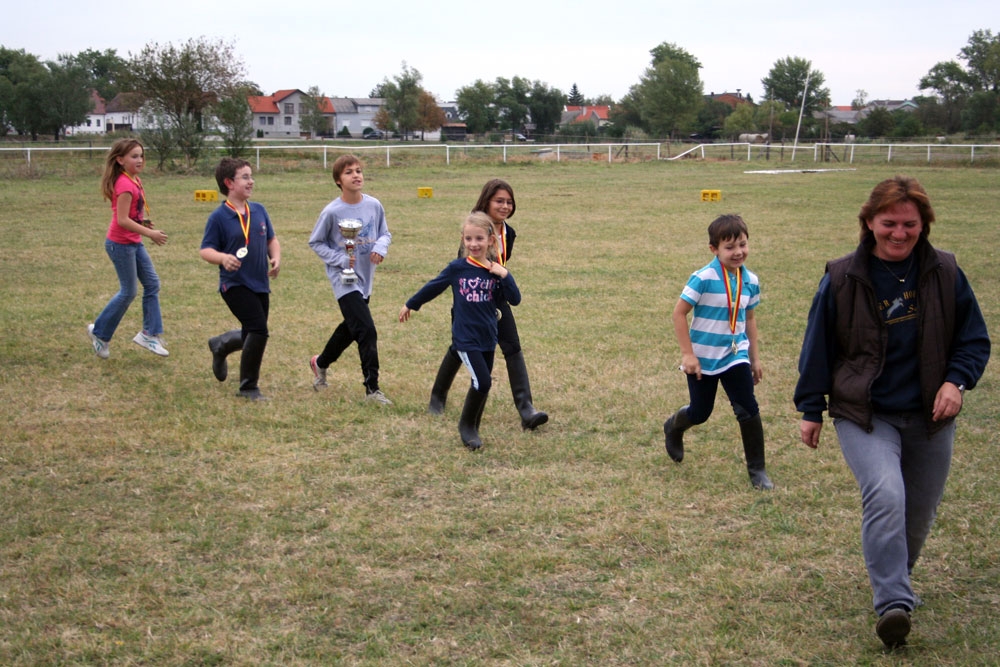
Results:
[512, 102]
[787, 80]
[575, 98]
[982, 56]
[312, 118]
[105, 69]
[235, 123]
[475, 104]
[67, 94]
[953, 86]
[669, 93]
[545, 107]
[402, 97]
[22, 92]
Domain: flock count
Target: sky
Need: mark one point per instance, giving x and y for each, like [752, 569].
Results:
[882, 47]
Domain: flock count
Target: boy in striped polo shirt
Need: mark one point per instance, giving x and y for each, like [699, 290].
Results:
[721, 344]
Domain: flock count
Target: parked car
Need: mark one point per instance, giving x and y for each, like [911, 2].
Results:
[374, 134]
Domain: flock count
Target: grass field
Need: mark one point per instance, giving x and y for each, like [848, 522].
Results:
[150, 517]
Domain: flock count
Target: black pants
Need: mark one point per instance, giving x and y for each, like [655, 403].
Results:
[250, 308]
[358, 326]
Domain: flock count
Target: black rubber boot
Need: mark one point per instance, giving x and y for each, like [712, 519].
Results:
[442, 383]
[253, 354]
[222, 346]
[673, 432]
[472, 414]
[752, 431]
[517, 373]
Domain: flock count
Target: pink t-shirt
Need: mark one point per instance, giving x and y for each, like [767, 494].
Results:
[136, 212]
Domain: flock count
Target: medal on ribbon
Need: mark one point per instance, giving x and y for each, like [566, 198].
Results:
[733, 302]
[244, 227]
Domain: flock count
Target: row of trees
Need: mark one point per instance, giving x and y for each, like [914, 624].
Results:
[201, 87]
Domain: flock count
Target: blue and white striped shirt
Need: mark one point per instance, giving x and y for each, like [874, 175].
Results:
[711, 337]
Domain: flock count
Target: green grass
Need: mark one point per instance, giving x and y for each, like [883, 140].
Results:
[150, 517]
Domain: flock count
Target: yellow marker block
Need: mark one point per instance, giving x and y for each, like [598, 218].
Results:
[425, 193]
[711, 195]
[206, 195]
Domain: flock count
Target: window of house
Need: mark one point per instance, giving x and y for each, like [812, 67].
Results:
[270, 120]
[263, 120]
[288, 120]
[98, 120]
[289, 107]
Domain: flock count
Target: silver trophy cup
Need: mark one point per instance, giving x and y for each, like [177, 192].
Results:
[349, 230]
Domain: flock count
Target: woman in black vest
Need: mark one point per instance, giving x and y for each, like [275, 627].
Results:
[895, 337]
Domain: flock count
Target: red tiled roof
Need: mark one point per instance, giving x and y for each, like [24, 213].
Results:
[269, 103]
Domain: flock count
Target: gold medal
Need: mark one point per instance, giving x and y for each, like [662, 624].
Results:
[242, 252]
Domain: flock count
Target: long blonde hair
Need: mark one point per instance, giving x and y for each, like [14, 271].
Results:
[484, 222]
[112, 169]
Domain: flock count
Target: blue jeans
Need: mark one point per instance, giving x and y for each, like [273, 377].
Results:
[132, 264]
[901, 471]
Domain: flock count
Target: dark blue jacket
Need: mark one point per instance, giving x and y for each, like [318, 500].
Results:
[475, 295]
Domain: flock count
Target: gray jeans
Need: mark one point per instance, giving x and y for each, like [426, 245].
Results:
[901, 472]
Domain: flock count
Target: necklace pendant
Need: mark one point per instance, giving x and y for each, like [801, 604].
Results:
[735, 347]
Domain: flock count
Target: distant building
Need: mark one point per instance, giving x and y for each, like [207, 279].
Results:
[732, 99]
[95, 119]
[598, 114]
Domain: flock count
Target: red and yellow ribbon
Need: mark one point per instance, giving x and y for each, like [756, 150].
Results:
[245, 226]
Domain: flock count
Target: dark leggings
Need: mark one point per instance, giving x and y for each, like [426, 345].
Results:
[250, 308]
[737, 381]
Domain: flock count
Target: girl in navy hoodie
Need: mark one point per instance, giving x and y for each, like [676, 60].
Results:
[477, 282]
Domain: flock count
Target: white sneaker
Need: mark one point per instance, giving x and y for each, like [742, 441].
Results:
[319, 374]
[101, 348]
[378, 397]
[151, 343]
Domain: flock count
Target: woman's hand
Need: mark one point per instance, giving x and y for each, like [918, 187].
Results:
[947, 402]
[809, 432]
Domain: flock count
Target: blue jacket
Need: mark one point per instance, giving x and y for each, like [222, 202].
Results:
[475, 295]
[844, 348]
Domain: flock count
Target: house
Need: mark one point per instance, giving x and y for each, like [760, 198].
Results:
[122, 113]
[279, 115]
[356, 113]
[598, 114]
[839, 114]
[732, 99]
[95, 119]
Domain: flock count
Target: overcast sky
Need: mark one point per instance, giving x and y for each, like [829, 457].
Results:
[883, 47]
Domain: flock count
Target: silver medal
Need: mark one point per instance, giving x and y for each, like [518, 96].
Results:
[242, 252]
[735, 347]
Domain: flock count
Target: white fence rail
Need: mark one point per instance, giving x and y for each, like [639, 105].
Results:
[448, 153]
[557, 152]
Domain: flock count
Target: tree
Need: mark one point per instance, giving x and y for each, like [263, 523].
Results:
[740, 121]
[981, 114]
[185, 81]
[670, 91]
[787, 80]
[878, 123]
[475, 104]
[954, 86]
[545, 107]
[105, 70]
[712, 116]
[235, 122]
[575, 97]
[512, 102]
[982, 55]
[860, 99]
[312, 119]
[66, 91]
[22, 102]
[430, 116]
[402, 96]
